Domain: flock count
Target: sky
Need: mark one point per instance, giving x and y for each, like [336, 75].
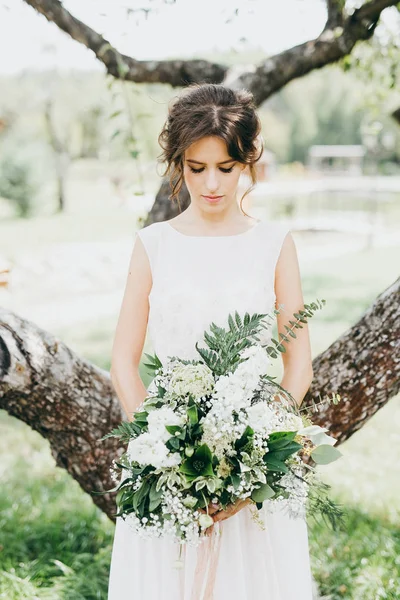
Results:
[29, 41]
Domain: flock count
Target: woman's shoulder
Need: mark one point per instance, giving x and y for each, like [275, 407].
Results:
[275, 230]
[149, 236]
[149, 232]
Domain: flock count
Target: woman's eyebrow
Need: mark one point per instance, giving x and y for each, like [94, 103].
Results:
[201, 163]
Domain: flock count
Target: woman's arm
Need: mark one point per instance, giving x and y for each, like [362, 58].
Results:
[297, 360]
[130, 332]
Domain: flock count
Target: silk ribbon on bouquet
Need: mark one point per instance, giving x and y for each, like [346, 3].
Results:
[206, 566]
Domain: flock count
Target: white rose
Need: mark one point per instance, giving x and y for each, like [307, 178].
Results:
[205, 521]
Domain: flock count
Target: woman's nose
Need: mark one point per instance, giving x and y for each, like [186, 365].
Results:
[212, 181]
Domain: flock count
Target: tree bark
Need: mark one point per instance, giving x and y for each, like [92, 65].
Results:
[72, 404]
[362, 365]
[69, 401]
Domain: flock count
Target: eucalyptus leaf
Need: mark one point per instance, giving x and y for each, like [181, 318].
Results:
[262, 493]
[325, 454]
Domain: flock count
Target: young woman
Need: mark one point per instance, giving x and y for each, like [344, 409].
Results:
[207, 262]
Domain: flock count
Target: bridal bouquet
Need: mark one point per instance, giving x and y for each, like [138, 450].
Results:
[218, 430]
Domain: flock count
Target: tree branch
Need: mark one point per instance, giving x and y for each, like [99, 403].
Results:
[175, 72]
[337, 40]
[69, 401]
[362, 365]
[335, 10]
[329, 47]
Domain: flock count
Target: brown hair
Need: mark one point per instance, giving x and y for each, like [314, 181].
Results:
[210, 109]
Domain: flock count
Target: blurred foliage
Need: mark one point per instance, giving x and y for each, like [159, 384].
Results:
[17, 185]
[97, 116]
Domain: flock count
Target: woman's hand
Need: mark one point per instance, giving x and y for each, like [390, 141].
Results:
[221, 515]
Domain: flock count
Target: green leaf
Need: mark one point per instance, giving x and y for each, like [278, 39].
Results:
[262, 493]
[172, 429]
[325, 454]
[235, 480]
[284, 453]
[199, 464]
[155, 496]
[125, 431]
[140, 495]
[154, 362]
[280, 439]
[238, 319]
[153, 504]
[274, 464]
[193, 415]
[140, 417]
[172, 443]
[246, 436]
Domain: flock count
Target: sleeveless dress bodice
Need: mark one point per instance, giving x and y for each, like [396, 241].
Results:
[198, 280]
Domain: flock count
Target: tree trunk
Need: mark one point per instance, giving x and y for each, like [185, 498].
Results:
[72, 403]
[61, 155]
[163, 208]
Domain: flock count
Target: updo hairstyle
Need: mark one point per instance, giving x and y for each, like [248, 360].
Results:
[210, 109]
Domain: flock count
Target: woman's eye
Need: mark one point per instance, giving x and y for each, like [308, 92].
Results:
[202, 169]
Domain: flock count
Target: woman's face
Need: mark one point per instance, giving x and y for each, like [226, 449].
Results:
[210, 172]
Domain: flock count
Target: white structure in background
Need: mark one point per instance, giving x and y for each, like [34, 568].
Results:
[336, 159]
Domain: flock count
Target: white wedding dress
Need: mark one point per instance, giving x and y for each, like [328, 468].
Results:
[198, 280]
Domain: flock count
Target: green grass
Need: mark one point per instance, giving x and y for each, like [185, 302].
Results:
[359, 563]
[55, 543]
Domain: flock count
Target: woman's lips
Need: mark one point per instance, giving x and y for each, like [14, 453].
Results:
[213, 199]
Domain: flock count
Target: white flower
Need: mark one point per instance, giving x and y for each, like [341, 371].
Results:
[258, 360]
[237, 388]
[293, 422]
[260, 416]
[159, 418]
[196, 380]
[205, 521]
[189, 501]
[147, 450]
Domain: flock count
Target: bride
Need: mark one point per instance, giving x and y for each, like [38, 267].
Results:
[185, 273]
